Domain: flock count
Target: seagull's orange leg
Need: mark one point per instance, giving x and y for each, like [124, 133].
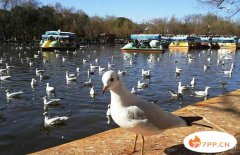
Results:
[142, 145]
[135, 142]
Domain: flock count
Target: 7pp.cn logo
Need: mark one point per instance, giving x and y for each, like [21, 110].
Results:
[196, 142]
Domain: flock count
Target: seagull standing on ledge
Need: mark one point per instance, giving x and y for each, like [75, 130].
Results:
[137, 115]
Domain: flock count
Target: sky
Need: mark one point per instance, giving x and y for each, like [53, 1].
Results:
[137, 10]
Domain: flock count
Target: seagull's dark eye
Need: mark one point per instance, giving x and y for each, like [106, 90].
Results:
[112, 79]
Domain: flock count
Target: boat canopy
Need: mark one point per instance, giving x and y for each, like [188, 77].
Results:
[223, 38]
[184, 37]
[145, 36]
[205, 38]
[59, 34]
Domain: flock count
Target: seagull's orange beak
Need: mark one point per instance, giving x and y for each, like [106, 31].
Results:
[104, 89]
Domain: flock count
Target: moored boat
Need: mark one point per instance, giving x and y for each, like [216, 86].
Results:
[226, 42]
[185, 42]
[144, 43]
[58, 40]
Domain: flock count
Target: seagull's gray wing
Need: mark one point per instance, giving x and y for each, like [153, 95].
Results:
[157, 116]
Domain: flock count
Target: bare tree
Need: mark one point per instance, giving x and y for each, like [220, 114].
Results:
[231, 7]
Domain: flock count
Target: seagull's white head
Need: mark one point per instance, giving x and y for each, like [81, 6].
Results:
[110, 80]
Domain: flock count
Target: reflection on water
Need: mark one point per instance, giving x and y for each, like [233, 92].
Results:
[22, 122]
[179, 49]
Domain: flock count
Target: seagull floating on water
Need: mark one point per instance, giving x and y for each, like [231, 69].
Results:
[14, 94]
[33, 83]
[121, 72]
[8, 67]
[110, 65]
[137, 115]
[71, 77]
[101, 69]
[181, 87]
[43, 77]
[202, 93]
[50, 102]
[4, 78]
[146, 73]
[3, 70]
[142, 85]
[39, 71]
[229, 72]
[193, 83]
[176, 95]
[88, 83]
[178, 70]
[133, 90]
[49, 89]
[93, 67]
[78, 69]
[55, 120]
[92, 91]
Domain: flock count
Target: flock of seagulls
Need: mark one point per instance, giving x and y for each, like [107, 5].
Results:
[94, 67]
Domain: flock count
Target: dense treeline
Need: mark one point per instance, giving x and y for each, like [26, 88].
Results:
[28, 20]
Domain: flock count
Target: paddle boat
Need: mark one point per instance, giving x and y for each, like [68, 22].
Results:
[150, 43]
[226, 42]
[184, 42]
[58, 40]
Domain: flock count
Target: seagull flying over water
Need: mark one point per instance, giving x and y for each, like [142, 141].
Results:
[137, 115]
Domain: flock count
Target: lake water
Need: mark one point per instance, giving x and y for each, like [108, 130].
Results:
[22, 129]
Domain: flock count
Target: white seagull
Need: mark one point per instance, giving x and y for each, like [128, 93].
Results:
[146, 73]
[142, 85]
[50, 101]
[180, 87]
[3, 78]
[178, 70]
[71, 77]
[137, 115]
[85, 60]
[49, 89]
[202, 93]
[110, 65]
[78, 69]
[93, 67]
[55, 120]
[193, 83]
[14, 94]
[121, 72]
[3, 70]
[108, 113]
[101, 69]
[8, 67]
[133, 90]
[39, 71]
[88, 83]
[176, 95]
[33, 82]
[228, 72]
[92, 91]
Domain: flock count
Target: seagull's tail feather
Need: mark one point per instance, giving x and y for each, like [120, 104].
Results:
[190, 120]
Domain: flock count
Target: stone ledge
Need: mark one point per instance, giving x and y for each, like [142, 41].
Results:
[222, 113]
